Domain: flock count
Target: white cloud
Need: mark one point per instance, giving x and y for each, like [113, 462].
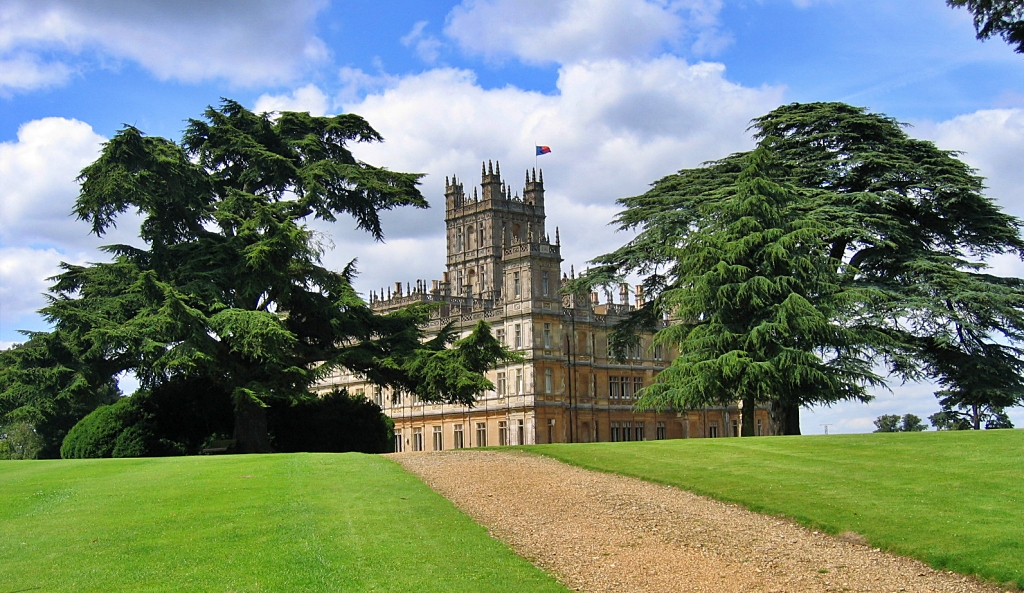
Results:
[427, 47]
[23, 274]
[27, 72]
[37, 174]
[308, 98]
[564, 31]
[614, 126]
[992, 141]
[245, 42]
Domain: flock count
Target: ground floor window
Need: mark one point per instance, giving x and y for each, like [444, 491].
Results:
[520, 432]
[760, 428]
[616, 435]
[481, 434]
[713, 429]
[398, 442]
[735, 428]
[660, 435]
[438, 439]
[551, 430]
[460, 440]
[627, 431]
[417, 439]
[502, 433]
[640, 436]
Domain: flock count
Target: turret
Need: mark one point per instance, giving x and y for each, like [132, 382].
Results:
[490, 182]
[454, 195]
[533, 193]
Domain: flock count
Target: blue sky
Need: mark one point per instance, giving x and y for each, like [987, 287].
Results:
[623, 91]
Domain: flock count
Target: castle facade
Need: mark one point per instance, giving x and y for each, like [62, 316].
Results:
[502, 267]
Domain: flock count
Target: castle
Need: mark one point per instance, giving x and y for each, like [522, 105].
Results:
[502, 267]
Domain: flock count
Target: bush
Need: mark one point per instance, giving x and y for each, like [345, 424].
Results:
[173, 419]
[97, 434]
[332, 423]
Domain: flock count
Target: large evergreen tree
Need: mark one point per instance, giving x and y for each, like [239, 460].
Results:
[229, 286]
[758, 304]
[904, 219]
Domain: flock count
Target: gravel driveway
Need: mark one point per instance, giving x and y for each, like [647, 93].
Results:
[601, 532]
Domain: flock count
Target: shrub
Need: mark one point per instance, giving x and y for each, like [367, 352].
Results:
[97, 434]
[332, 423]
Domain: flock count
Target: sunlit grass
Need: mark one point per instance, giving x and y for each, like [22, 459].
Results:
[276, 523]
[952, 499]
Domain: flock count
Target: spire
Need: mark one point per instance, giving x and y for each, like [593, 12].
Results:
[558, 240]
[542, 176]
[483, 169]
[490, 168]
[535, 173]
[497, 168]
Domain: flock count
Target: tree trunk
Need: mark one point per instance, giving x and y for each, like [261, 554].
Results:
[976, 417]
[251, 434]
[748, 417]
[784, 417]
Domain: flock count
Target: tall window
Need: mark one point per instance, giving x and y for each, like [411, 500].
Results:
[760, 428]
[713, 429]
[480, 240]
[616, 436]
[627, 388]
[518, 335]
[399, 444]
[417, 439]
[502, 433]
[614, 387]
[660, 435]
[735, 428]
[438, 439]
[458, 240]
[551, 430]
[460, 440]
[499, 334]
[481, 434]
[548, 380]
[502, 384]
[547, 335]
[659, 352]
[638, 384]
[640, 435]
[520, 432]
[544, 284]
[519, 381]
[627, 431]
[517, 289]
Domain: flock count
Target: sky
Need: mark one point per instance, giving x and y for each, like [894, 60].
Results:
[623, 91]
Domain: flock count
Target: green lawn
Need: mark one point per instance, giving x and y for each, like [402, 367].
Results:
[242, 523]
[952, 499]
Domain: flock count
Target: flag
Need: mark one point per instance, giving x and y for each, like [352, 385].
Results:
[543, 150]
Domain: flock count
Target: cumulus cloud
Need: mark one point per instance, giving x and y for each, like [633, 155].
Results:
[37, 172]
[564, 31]
[614, 127]
[37, 229]
[308, 98]
[244, 42]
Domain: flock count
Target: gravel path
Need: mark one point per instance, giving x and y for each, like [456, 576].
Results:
[601, 532]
